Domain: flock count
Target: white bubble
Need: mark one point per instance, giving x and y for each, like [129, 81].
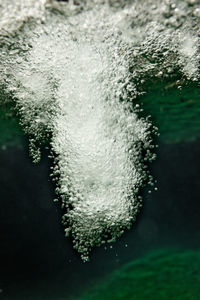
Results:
[73, 72]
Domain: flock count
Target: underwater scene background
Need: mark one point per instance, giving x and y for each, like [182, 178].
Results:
[158, 258]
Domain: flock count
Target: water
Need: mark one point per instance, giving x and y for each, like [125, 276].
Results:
[73, 87]
[74, 72]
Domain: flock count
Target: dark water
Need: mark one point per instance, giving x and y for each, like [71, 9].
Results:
[38, 262]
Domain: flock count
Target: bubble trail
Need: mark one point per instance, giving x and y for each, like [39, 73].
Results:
[72, 70]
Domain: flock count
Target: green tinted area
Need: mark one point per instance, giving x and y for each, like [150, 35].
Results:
[159, 276]
[11, 133]
[174, 108]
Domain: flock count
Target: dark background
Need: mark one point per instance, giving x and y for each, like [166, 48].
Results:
[38, 262]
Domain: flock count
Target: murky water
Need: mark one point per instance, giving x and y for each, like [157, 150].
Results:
[76, 73]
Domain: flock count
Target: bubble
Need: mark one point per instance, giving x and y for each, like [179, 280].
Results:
[73, 70]
[196, 12]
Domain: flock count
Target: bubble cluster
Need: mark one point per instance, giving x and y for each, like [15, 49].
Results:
[73, 71]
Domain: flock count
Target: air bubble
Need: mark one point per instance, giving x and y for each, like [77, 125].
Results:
[74, 72]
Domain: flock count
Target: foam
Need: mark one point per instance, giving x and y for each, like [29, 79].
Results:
[72, 71]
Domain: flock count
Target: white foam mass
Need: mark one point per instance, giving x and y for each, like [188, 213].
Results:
[71, 70]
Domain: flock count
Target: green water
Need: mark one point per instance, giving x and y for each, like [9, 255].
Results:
[11, 133]
[174, 109]
[161, 275]
[169, 273]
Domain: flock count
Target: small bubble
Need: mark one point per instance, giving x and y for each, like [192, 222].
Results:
[196, 12]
